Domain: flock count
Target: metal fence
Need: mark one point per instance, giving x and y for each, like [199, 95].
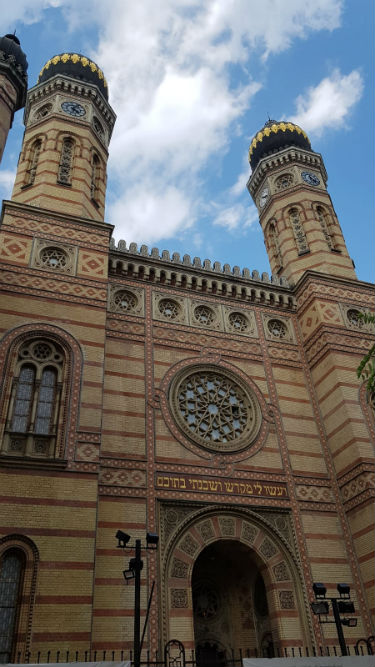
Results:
[179, 658]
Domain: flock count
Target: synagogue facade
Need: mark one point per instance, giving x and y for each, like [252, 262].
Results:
[148, 392]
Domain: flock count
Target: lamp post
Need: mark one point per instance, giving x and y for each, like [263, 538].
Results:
[340, 605]
[134, 572]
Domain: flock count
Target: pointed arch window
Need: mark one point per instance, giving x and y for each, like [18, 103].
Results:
[34, 406]
[298, 231]
[95, 177]
[325, 225]
[12, 567]
[33, 162]
[66, 161]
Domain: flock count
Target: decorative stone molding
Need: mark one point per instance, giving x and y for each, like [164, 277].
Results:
[54, 257]
[281, 572]
[278, 328]
[126, 301]
[286, 599]
[179, 598]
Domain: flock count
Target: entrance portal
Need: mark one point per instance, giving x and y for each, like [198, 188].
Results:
[230, 603]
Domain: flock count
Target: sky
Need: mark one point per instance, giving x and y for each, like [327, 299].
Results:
[191, 82]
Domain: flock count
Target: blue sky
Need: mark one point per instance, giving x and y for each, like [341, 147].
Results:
[191, 82]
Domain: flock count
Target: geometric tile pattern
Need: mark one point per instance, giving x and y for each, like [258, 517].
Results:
[92, 264]
[319, 494]
[132, 478]
[14, 249]
[51, 285]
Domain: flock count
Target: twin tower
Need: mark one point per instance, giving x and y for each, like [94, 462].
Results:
[63, 160]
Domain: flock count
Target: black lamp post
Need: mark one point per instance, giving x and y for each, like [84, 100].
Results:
[340, 605]
[134, 572]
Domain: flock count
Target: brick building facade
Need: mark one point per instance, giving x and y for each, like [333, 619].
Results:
[146, 392]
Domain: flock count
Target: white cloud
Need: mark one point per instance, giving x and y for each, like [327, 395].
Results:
[146, 215]
[329, 104]
[177, 105]
[236, 217]
[7, 178]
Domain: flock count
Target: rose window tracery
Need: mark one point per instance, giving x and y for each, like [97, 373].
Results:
[238, 322]
[54, 258]
[215, 409]
[169, 308]
[124, 300]
[204, 315]
[277, 328]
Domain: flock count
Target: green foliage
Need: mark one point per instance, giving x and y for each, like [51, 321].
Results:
[366, 369]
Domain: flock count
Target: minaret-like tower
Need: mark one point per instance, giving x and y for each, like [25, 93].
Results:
[13, 84]
[299, 223]
[69, 124]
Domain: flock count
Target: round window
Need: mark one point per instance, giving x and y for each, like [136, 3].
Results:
[238, 322]
[204, 315]
[169, 308]
[124, 300]
[354, 317]
[215, 409]
[277, 328]
[54, 258]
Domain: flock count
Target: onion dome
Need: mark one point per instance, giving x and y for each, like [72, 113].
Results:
[274, 137]
[13, 62]
[76, 66]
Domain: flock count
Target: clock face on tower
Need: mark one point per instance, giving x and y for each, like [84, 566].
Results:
[263, 197]
[73, 109]
[310, 179]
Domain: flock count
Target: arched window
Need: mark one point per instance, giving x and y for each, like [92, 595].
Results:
[33, 162]
[66, 161]
[33, 413]
[298, 231]
[324, 223]
[95, 177]
[12, 567]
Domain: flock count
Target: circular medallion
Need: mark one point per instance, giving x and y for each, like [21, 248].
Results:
[309, 178]
[73, 109]
[215, 409]
[263, 197]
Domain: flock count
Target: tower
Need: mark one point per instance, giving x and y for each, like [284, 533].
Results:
[299, 223]
[13, 84]
[69, 124]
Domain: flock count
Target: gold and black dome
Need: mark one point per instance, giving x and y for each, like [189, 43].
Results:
[77, 66]
[273, 137]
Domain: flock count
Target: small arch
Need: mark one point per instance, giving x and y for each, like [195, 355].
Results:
[151, 275]
[214, 287]
[204, 285]
[141, 272]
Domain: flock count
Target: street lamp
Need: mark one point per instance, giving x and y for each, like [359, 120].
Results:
[340, 605]
[134, 572]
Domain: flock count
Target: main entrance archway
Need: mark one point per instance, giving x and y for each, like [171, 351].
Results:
[229, 602]
[251, 555]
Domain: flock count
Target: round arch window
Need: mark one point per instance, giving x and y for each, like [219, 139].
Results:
[215, 408]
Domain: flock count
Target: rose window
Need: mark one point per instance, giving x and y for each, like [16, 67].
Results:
[354, 318]
[205, 602]
[204, 315]
[215, 410]
[277, 328]
[54, 258]
[169, 308]
[284, 181]
[238, 322]
[125, 300]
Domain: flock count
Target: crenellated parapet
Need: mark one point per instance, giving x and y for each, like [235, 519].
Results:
[198, 275]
